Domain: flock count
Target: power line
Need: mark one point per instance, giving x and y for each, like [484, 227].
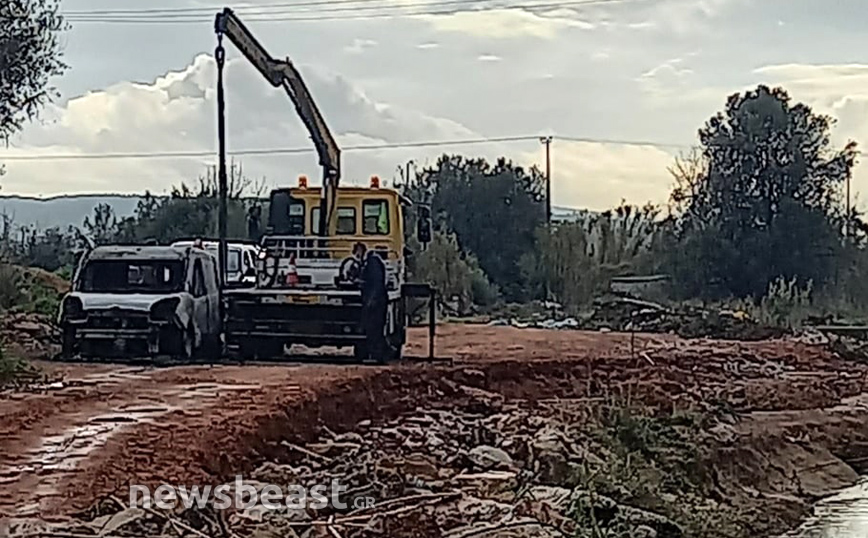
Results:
[213, 8]
[352, 12]
[270, 9]
[261, 152]
[619, 142]
[305, 150]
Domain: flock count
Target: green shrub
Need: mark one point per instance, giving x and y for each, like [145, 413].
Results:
[14, 370]
[785, 304]
[11, 289]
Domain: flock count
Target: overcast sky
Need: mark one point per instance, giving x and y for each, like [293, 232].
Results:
[645, 70]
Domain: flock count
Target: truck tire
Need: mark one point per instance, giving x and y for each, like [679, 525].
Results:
[68, 343]
[270, 349]
[360, 352]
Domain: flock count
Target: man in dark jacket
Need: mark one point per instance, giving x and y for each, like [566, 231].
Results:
[374, 304]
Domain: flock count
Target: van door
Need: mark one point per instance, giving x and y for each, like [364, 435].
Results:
[199, 291]
[212, 285]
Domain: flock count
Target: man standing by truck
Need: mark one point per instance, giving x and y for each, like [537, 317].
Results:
[374, 301]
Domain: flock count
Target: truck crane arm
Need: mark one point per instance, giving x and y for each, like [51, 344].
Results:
[282, 73]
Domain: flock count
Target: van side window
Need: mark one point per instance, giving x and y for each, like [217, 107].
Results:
[198, 286]
[375, 217]
[212, 279]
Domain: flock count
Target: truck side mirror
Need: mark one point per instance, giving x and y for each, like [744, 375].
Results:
[423, 225]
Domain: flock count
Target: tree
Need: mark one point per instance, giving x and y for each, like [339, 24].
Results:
[453, 274]
[30, 54]
[768, 203]
[493, 210]
[578, 259]
[103, 227]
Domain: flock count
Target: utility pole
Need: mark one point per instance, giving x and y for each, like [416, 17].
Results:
[220, 56]
[407, 174]
[847, 221]
[547, 142]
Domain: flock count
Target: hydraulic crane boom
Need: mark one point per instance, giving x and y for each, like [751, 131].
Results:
[282, 73]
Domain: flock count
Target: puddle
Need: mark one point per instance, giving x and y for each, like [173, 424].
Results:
[844, 515]
[60, 454]
[207, 387]
[41, 468]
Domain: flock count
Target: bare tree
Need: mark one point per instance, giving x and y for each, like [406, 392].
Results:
[30, 55]
[688, 171]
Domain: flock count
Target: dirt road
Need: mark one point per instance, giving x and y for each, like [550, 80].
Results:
[102, 428]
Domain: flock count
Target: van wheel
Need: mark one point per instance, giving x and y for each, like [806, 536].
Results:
[188, 344]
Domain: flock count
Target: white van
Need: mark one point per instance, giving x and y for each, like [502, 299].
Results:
[240, 260]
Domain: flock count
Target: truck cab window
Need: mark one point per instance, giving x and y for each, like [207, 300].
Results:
[346, 221]
[375, 215]
[296, 217]
[346, 224]
[286, 216]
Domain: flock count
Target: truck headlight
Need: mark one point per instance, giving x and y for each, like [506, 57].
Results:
[164, 310]
[72, 309]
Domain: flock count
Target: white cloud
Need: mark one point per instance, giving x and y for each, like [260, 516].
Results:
[598, 176]
[507, 23]
[489, 58]
[663, 80]
[600, 55]
[687, 16]
[177, 113]
[358, 46]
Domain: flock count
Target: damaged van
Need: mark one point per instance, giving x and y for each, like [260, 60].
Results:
[142, 301]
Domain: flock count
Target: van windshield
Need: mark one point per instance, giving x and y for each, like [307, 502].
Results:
[133, 276]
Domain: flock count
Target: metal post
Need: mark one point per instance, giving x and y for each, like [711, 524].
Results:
[407, 174]
[220, 57]
[547, 141]
[432, 322]
[847, 221]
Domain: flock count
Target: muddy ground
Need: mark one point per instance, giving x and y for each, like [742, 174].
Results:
[652, 434]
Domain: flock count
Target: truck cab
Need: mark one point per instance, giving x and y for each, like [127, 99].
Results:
[372, 216]
[304, 292]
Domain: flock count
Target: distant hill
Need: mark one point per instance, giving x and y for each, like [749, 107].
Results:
[62, 211]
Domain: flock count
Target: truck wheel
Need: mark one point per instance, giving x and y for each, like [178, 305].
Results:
[360, 352]
[211, 347]
[68, 344]
[270, 349]
[246, 350]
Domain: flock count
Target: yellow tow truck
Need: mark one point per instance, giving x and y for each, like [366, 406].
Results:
[305, 293]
